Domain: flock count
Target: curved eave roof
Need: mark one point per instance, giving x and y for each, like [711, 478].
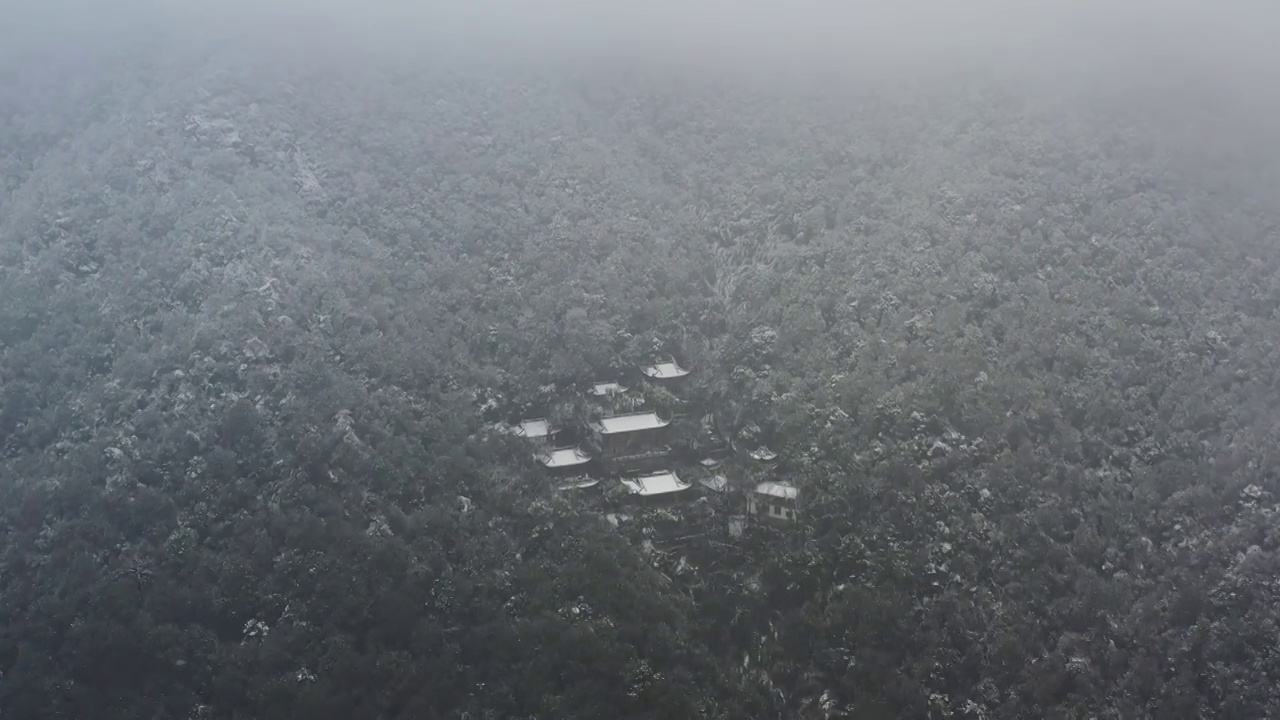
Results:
[664, 371]
[778, 490]
[534, 428]
[663, 483]
[631, 422]
[604, 389]
[579, 483]
[563, 457]
[718, 483]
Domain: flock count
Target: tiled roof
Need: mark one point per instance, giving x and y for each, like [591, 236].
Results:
[564, 457]
[602, 389]
[718, 483]
[662, 483]
[664, 370]
[534, 428]
[778, 490]
[630, 422]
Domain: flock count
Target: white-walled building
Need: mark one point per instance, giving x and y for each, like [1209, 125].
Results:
[774, 500]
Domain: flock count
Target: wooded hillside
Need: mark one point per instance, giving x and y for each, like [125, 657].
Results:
[1018, 347]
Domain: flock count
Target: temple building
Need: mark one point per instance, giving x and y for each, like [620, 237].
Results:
[631, 438]
[667, 373]
[606, 389]
[774, 501]
[657, 487]
[538, 430]
[564, 462]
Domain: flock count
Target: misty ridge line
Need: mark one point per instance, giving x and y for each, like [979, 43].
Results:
[1194, 57]
[1046, 32]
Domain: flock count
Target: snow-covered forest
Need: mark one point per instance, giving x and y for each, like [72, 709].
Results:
[267, 288]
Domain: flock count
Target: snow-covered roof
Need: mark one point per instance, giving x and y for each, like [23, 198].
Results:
[602, 389]
[763, 453]
[661, 483]
[534, 428]
[778, 490]
[664, 370]
[579, 483]
[631, 422]
[710, 463]
[718, 483]
[563, 457]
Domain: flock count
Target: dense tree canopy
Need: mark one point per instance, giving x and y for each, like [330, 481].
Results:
[262, 305]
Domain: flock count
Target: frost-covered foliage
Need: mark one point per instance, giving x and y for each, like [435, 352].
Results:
[1017, 348]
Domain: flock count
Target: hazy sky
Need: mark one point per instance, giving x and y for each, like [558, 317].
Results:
[806, 26]
[1232, 40]
[796, 26]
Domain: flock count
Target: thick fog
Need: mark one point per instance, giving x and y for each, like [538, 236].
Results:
[979, 303]
[1208, 67]
[879, 36]
[1182, 59]
[872, 37]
